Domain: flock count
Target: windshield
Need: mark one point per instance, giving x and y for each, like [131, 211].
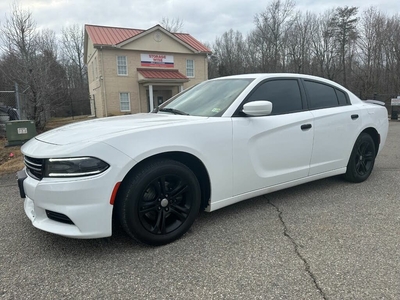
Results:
[207, 99]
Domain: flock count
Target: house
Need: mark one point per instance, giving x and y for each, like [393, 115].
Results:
[133, 70]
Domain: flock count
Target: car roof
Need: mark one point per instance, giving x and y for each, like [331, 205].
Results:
[272, 75]
[261, 76]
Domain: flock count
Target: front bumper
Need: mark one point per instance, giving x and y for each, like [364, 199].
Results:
[85, 202]
[77, 207]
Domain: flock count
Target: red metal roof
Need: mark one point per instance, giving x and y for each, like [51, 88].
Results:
[104, 35]
[191, 41]
[161, 74]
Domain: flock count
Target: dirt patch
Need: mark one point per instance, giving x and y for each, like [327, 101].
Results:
[11, 158]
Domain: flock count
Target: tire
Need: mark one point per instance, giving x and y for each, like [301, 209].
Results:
[159, 202]
[362, 159]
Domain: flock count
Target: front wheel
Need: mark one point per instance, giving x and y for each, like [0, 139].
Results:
[362, 159]
[159, 202]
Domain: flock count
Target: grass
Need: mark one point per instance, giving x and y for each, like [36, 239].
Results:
[11, 158]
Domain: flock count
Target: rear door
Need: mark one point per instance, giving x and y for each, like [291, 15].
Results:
[336, 124]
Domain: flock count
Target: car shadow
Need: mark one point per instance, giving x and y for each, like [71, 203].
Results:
[205, 223]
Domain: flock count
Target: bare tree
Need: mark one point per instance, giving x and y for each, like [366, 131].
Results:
[272, 27]
[324, 47]
[256, 52]
[19, 36]
[345, 25]
[230, 50]
[19, 33]
[212, 62]
[370, 50]
[30, 59]
[172, 25]
[73, 61]
[299, 40]
[391, 48]
[72, 41]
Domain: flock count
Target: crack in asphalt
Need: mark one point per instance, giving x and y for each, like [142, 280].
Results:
[296, 249]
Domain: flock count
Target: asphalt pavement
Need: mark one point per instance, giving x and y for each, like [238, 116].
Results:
[329, 239]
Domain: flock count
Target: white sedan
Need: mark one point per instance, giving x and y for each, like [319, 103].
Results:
[215, 144]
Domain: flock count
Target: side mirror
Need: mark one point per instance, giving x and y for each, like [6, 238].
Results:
[257, 108]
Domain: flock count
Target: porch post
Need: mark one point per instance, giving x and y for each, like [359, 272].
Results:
[151, 97]
[180, 88]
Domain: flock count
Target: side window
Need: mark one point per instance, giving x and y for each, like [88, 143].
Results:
[122, 66]
[190, 68]
[341, 97]
[320, 95]
[283, 93]
[124, 102]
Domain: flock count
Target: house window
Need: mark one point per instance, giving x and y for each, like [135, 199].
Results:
[124, 102]
[122, 66]
[190, 68]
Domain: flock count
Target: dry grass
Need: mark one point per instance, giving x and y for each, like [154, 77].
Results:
[11, 158]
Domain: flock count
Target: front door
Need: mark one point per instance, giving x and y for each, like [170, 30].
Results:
[273, 149]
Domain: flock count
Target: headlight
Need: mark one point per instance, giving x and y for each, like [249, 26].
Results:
[74, 167]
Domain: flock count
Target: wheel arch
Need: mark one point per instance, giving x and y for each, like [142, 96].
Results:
[189, 160]
[375, 137]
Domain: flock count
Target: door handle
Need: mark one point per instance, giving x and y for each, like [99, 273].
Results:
[353, 117]
[305, 126]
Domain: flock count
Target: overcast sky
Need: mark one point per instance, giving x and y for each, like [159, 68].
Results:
[204, 19]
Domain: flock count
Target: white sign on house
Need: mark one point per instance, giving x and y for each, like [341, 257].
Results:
[157, 60]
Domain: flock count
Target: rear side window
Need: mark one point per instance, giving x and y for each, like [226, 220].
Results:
[320, 95]
[341, 97]
[283, 93]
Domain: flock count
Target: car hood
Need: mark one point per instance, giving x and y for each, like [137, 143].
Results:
[100, 129]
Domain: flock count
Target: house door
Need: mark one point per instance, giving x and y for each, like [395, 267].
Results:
[159, 96]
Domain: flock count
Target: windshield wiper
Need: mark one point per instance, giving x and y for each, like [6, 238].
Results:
[174, 111]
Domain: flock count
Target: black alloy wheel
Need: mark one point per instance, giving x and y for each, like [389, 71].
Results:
[362, 159]
[165, 204]
[159, 202]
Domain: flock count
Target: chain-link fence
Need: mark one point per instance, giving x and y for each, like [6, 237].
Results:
[9, 99]
[76, 103]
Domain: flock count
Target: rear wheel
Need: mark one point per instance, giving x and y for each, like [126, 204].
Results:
[159, 202]
[362, 159]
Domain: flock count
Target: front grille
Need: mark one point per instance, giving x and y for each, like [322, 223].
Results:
[55, 216]
[34, 166]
